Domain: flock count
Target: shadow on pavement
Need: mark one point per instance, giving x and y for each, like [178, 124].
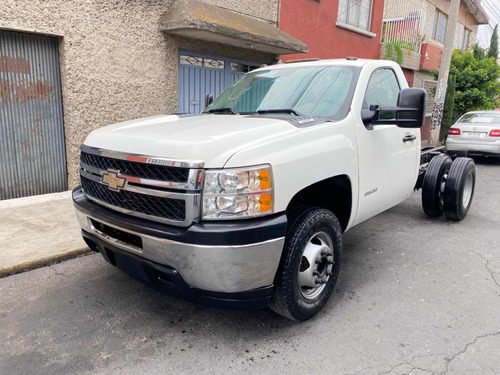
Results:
[484, 160]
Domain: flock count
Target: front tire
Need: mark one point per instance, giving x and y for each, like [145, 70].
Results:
[310, 264]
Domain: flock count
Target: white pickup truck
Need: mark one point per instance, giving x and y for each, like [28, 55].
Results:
[245, 204]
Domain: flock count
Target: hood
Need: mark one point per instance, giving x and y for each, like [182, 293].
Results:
[212, 138]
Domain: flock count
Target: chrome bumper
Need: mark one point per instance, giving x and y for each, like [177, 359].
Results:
[227, 269]
[472, 147]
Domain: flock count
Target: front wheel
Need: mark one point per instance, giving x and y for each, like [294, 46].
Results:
[310, 264]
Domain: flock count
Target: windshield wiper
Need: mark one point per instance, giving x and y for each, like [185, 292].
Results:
[281, 110]
[222, 110]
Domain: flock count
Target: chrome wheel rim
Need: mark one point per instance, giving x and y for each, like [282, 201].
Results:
[468, 186]
[316, 265]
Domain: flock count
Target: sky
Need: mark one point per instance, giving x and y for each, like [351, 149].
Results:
[492, 9]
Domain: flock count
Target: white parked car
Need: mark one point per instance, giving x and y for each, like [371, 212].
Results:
[475, 133]
[246, 203]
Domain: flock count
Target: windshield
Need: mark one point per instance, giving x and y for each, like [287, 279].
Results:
[315, 91]
[485, 118]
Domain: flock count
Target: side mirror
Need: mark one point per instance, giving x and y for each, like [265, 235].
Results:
[208, 100]
[409, 113]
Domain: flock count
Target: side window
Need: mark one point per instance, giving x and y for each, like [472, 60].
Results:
[383, 89]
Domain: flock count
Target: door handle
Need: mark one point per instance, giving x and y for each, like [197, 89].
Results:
[409, 138]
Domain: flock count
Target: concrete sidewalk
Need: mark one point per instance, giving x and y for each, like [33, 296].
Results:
[36, 231]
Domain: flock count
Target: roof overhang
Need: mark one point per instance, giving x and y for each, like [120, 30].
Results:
[475, 8]
[198, 20]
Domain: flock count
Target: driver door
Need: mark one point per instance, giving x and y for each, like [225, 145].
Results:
[388, 165]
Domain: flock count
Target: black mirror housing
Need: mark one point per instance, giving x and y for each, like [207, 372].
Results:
[410, 111]
[411, 98]
[208, 100]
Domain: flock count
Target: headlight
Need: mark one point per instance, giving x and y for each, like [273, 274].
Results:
[237, 193]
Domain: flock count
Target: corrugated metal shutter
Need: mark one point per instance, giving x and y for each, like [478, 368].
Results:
[32, 148]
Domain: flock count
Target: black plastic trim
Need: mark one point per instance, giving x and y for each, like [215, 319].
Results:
[227, 233]
[169, 281]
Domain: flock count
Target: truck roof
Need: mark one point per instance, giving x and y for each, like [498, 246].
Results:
[344, 61]
[485, 112]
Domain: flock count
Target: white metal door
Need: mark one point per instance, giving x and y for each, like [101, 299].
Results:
[388, 165]
[201, 74]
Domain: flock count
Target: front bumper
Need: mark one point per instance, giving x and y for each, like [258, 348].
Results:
[207, 262]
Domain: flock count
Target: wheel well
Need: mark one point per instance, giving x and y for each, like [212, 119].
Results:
[334, 194]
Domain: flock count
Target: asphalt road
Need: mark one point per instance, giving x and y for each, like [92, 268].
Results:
[415, 296]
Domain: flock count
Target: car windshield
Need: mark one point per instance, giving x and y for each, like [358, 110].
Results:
[315, 91]
[484, 118]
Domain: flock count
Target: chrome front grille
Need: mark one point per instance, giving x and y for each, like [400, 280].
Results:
[138, 169]
[168, 208]
[157, 189]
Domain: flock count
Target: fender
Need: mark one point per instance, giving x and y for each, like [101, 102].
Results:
[305, 157]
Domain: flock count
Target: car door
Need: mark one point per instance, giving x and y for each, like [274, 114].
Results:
[388, 155]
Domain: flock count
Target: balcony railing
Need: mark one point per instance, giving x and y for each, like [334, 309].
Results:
[403, 23]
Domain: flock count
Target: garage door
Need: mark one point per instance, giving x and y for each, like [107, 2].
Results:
[32, 150]
[202, 74]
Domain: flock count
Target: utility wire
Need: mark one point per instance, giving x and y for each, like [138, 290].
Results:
[493, 18]
[492, 9]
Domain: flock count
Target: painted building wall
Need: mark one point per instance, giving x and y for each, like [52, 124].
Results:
[465, 19]
[430, 56]
[115, 63]
[314, 23]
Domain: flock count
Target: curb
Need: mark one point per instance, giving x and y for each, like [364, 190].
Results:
[27, 266]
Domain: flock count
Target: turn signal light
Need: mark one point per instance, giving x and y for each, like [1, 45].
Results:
[495, 133]
[266, 203]
[454, 131]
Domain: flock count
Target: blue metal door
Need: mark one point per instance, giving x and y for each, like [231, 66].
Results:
[32, 148]
[202, 74]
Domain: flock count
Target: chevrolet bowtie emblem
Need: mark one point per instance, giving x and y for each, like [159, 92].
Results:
[114, 182]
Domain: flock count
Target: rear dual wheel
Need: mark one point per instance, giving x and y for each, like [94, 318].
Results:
[459, 189]
[434, 184]
[448, 187]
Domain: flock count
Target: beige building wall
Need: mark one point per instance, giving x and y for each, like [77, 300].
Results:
[420, 77]
[115, 63]
[465, 19]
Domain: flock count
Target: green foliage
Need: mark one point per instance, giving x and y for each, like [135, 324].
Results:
[477, 82]
[399, 54]
[479, 53]
[449, 107]
[493, 51]
[394, 52]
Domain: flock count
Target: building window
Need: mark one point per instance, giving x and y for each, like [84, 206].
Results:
[356, 13]
[439, 27]
[465, 42]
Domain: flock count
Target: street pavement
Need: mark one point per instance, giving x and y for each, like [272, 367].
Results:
[415, 296]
